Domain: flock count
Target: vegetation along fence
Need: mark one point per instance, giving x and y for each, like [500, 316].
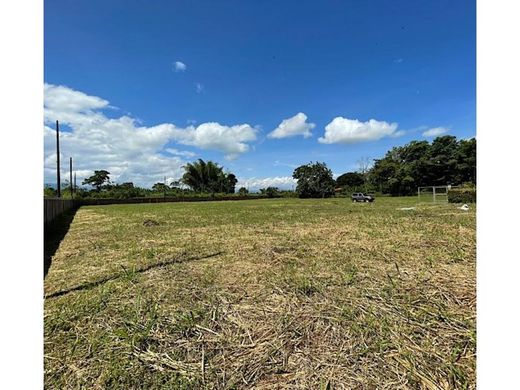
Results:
[103, 201]
[53, 208]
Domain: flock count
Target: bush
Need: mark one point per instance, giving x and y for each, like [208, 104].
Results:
[462, 195]
[243, 191]
[270, 192]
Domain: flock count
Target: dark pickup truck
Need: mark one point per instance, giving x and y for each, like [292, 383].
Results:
[360, 197]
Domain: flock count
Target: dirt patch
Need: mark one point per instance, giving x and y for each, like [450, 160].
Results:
[151, 222]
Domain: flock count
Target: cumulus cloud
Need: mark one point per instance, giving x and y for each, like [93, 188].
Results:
[297, 125]
[232, 140]
[434, 132]
[347, 131]
[128, 150]
[254, 184]
[179, 66]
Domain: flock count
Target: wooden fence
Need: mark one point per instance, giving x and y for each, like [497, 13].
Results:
[52, 208]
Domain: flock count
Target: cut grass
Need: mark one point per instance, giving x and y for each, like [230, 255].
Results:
[278, 293]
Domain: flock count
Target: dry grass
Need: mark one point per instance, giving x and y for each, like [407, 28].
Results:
[264, 294]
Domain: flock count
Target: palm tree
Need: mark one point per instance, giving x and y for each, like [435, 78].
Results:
[203, 176]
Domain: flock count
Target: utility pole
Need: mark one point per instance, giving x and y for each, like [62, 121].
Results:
[70, 181]
[75, 187]
[58, 179]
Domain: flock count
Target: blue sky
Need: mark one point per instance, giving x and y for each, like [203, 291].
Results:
[112, 81]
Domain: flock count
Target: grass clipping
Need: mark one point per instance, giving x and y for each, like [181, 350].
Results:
[303, 294]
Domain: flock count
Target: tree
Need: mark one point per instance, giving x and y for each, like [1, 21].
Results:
[350, 180]
[467, 161]
[160, 187]
[270, 192]
[243, 191]
[49, 191]
[231, 182]
[124, 191]
[419, 163]
[208, 176]
[175, 184]
[364, 165]
[314, 181]
[98, 179]
[443, 160]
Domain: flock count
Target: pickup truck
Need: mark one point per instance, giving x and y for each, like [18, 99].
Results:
[360, 197]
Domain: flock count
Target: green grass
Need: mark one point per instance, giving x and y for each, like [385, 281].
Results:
[274, 293]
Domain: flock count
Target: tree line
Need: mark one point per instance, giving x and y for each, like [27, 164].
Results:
[444, 161]
[200, 178]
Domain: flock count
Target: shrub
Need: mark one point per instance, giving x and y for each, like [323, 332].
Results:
[270, 192]
[462, 195]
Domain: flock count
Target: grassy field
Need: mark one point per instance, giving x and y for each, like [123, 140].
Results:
[265, 294]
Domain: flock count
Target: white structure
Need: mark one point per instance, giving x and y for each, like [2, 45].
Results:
[439, 193]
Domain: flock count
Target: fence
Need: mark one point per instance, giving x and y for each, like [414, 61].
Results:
[104, 201]
[53, 208]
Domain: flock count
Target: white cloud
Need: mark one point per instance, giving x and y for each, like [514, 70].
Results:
[232, 140]
[128, 150]
[398, 133]
[182, 153]
[297, 125]
[254, 184]
[199, 88]
[277, 163]
[179, 66]
[348, 131]
[434, 132]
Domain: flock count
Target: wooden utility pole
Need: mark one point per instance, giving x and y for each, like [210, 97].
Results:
[70, 181]
[58, 179]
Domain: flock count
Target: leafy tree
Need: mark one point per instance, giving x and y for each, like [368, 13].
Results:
[350, 180]
[270, 192]
[243, 191]
[314, 181]
[231, 182]
[175, 184]
[419, 163]
[467, 161]
[443, 160]
[125, 191]
[160, 187]
[98, 179]
[49, 192]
